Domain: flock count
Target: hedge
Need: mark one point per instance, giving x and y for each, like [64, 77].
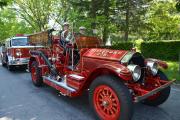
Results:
[122, 45]
[165, 50]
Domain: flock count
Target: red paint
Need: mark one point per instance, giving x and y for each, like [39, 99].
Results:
[19, 35]
[105, 54]
[33, 73]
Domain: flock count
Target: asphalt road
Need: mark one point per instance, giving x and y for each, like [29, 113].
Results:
[20, 100]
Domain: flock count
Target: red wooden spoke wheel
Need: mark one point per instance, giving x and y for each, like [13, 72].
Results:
[33, 73]
[36, 74]
[110, 99]
[106, 103]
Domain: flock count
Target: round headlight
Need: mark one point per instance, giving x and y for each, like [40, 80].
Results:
[18, 53]
[136, 72]
[153, 66]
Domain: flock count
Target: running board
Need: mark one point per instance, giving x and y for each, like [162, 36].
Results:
[53, 83]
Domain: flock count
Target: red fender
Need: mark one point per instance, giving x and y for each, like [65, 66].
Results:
[120, 70]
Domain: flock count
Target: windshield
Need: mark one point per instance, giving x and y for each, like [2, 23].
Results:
[19, 42]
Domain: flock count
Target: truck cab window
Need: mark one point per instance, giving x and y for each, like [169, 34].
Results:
[19, 42]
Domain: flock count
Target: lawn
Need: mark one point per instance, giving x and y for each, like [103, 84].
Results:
[173, 71]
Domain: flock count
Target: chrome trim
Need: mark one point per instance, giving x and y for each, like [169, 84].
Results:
[76, 76]
[62, 84]
[18, 61]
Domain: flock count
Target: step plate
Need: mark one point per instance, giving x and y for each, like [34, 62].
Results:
[61, 84]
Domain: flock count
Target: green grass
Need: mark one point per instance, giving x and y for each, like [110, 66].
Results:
[173, 71]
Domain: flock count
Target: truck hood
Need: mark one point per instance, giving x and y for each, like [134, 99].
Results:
[105, 54]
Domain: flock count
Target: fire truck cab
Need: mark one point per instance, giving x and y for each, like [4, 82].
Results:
[15, 52]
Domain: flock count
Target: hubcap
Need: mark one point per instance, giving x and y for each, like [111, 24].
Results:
[106, 103]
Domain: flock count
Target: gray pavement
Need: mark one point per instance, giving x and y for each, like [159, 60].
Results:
[20, 100]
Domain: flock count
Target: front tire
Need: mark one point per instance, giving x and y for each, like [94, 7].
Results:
[10, 67]
[3, 64]
[160, 97]
[110, 99]
[36, 74]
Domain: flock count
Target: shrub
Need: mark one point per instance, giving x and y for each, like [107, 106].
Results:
[122, 45]
[165, 50]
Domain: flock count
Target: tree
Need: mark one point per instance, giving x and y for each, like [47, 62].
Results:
[178, 5]
[131, 15]
[10, 25]
[36, 13]
[163, 20]
[4, 3]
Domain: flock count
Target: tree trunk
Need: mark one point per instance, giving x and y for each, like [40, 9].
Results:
[93, 15]
[106, 25]
[105, 34]
[126, 35]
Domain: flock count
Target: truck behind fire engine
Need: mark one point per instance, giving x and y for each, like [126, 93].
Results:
[15, 52]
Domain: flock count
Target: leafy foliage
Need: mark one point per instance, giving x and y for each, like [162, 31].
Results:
[178, 6]
[36, 13]
[9, 25]
[168, 50]
[123, 46]
[163, 21]
[120, 19]
[4, 3]
[165, 50]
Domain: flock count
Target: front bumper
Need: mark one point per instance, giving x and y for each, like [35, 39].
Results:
[154, 91]
[19, 61]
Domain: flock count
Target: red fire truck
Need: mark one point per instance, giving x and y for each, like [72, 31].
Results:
[114, 79]
[15, 52]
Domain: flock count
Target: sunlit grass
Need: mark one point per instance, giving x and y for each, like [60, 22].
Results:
[173, 71]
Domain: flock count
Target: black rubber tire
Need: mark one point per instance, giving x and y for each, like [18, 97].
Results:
[10, 67]
[164, 94]
[23, 67]
[39, 80]
[3, 64]
[123, 95]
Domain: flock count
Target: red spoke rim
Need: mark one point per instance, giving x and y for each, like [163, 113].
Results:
[106, 103]
[33, 73]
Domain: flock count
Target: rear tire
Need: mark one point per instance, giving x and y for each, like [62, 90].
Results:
[36, 74]
[110, 99]
[160, 97]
